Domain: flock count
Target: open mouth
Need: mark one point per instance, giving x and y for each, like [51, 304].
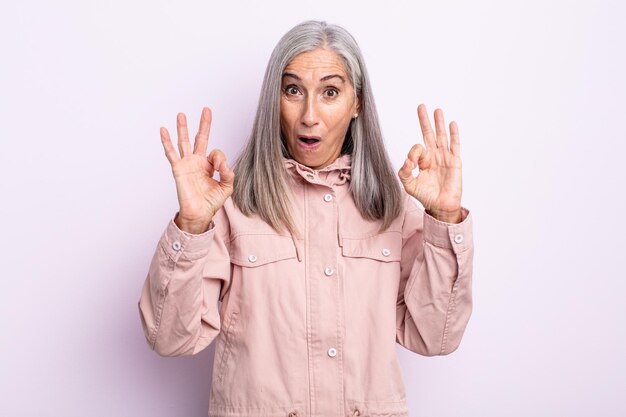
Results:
[308, 140]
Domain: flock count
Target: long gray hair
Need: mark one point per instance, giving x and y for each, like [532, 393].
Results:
[261, 183]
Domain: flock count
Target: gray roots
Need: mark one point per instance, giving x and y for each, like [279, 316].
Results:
[261, 182]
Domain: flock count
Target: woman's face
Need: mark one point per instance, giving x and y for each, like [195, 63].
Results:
[316, 106]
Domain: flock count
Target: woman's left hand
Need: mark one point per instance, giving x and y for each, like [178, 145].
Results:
[438, 184]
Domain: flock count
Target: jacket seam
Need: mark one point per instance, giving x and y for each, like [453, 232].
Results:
[341, 307]
[161, 303]
[451, 305]
[307, 288]
[220, 407]
[407, 291]
[277, 257]
[236, 235]
[368, 235]
[157, 323]
[227, 346]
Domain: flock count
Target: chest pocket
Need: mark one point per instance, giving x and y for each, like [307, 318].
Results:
[254, 250]
[385, 247]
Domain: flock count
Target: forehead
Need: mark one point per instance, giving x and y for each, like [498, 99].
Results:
[316, 64]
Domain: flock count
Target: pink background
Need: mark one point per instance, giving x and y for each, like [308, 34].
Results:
[537, 88]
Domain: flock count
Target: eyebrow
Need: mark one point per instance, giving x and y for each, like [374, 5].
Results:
[325, 78]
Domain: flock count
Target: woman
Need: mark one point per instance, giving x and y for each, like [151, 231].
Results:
[319, 258]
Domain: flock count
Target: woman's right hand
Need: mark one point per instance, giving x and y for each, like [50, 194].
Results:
[199, 195]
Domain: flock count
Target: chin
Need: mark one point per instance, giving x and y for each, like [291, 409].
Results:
[308, 162]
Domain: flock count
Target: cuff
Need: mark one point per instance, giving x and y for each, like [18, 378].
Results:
[177, 243]
[455, 236]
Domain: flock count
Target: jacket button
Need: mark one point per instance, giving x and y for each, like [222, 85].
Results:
[176, 245]
[386, 252]
[252, 258]
[328, 198]
[332, 352]
[328, 271]
[458, 238]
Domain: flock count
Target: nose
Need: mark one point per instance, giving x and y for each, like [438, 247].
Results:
[310, 112]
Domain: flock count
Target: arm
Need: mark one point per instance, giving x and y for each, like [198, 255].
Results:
[435, 296]
[179, 301]
[178, 304]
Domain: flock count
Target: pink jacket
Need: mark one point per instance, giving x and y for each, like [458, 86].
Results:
[308, 327]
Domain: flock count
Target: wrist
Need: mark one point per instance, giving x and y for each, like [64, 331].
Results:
[454, 216]
[195, 227]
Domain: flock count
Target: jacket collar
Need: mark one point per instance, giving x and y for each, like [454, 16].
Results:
[336, 173]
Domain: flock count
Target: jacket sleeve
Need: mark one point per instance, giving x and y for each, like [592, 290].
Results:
[188, 274]
[435, 294]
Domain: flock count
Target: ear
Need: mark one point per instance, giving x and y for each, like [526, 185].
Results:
[358, 104]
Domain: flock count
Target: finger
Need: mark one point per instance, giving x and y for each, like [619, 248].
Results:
[440, 128]
[427, 131]
[216, 158]
[183, 137]
[219, 162]
[420, 156]
[406, 176]
[455, 142]
[202, 138]
[227, 176]
[406, 171]
[170, 152]
[416, 153]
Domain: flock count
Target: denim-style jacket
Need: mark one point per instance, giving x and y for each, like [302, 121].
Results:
[308, 325]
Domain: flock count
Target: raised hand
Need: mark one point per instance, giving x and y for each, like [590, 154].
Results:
[438, 184]
[199, 195]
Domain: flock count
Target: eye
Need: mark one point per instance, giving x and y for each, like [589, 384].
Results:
[292, 89]
[332, 92]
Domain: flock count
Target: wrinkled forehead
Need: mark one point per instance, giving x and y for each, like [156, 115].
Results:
[318, 64]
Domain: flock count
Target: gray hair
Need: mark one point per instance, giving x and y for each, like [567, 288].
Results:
[261, 183]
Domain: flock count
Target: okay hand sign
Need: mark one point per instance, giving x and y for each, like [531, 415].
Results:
[199, 195]
[438, 183]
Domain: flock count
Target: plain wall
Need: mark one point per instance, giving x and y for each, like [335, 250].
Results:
[536, 87]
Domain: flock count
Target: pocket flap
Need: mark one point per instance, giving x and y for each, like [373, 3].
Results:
[258, 249]
[386, 247]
